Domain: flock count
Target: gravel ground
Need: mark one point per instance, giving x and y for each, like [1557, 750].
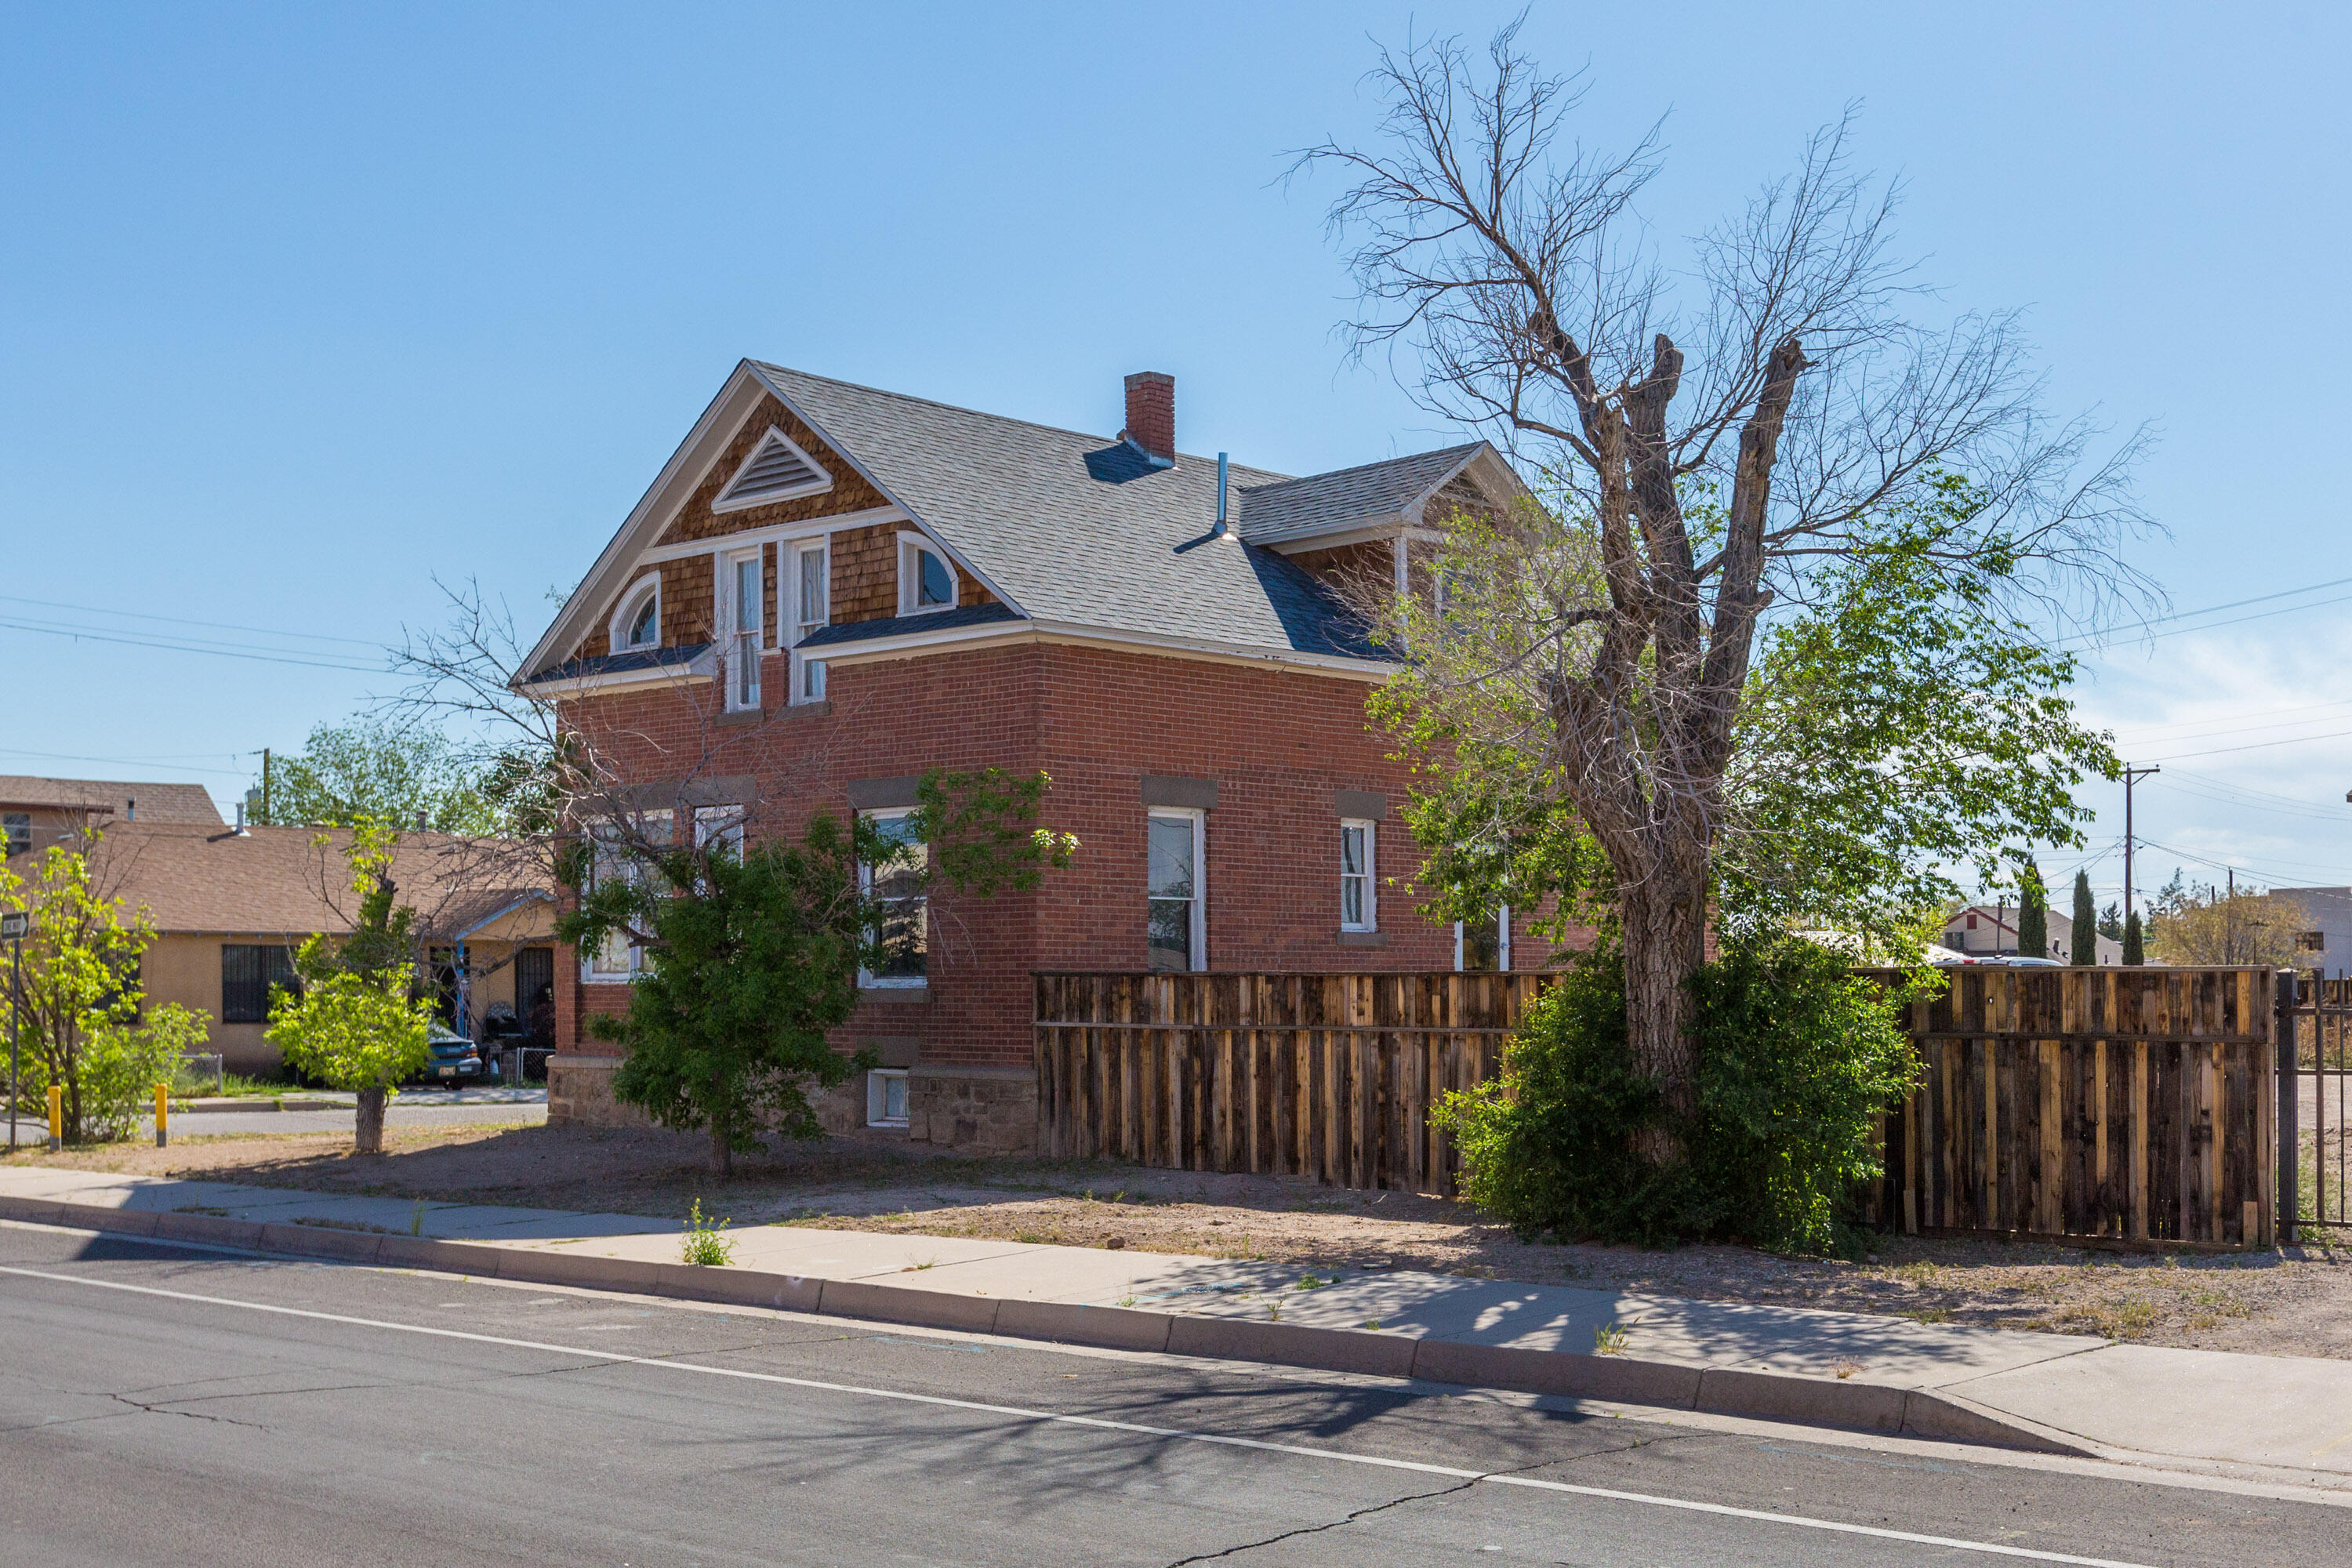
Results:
[2297, 1303]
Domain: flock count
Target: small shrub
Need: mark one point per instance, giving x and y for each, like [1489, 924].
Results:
[704, 1244]
[1797, 1057]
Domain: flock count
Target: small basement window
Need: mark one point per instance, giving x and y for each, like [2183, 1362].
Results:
[926, 581]
[886, 1097]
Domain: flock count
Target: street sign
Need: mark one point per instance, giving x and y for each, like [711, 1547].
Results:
[15, 924]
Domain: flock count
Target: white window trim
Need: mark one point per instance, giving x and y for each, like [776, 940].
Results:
[878, 1103]
[818, 486]
[806, 671]
[866, 979]
[728, 596]
[592, 976]
[1502, 942]
[633, 598]
[910, 581]
[1370, 874]
[1199, 821]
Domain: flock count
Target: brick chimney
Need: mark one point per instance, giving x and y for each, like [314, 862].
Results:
[1151, 414]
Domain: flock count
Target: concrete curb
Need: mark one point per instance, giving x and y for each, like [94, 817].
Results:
[1718, 1391]
[213, 1105]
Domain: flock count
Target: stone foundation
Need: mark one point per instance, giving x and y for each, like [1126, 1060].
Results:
[974, 1111]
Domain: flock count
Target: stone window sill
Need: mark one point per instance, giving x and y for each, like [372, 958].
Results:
[1363, 939]
[901, 993]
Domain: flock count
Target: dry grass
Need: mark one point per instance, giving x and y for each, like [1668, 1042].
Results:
[2299, 1304]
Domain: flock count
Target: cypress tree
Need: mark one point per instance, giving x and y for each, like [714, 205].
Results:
[2086, 921]
[2032, 913]
[2133, 954]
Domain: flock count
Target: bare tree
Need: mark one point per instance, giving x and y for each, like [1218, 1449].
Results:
[1715, 435]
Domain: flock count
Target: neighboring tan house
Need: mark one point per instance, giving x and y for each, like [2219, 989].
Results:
[1990, 930]
[38, 813]
[830, 590]
[229, 906]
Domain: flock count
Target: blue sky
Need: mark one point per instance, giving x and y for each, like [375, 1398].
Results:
[301, 305]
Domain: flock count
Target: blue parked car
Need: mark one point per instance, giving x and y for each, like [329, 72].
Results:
[453, 1060]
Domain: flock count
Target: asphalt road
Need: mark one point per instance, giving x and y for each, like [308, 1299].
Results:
[159, 1405]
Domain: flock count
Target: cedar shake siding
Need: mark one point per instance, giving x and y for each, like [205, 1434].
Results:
[850, 491]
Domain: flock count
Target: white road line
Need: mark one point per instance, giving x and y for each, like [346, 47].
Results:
[1794, 1521]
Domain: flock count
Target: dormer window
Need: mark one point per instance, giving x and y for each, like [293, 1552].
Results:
[926, 581]
[637, 622]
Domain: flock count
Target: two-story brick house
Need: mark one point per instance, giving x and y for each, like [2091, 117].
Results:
[830, 590]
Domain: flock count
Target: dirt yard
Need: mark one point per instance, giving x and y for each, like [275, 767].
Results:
[2299, 1304]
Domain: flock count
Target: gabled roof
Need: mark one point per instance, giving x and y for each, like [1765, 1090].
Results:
[189, 876]
[1077, 534]
[154, 802]
[1393, 492]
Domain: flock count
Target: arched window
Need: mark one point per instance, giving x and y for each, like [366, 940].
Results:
[637, 622]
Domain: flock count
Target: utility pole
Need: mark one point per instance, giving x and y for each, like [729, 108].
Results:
[266, 817]
[2132, 776]
[2229, 921]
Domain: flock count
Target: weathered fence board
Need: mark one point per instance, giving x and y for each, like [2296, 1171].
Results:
[2127, 1103]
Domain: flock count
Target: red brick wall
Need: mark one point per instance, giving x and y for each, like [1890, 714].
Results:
[1277, 743]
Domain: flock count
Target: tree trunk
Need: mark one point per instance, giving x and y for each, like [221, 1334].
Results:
[722, 1156]
[368, 1128]
[1665, 915]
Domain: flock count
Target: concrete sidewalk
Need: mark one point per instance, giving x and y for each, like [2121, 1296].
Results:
[2280, 1415]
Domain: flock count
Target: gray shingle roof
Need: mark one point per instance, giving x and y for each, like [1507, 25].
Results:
[1347, 498]
[1078, 529]
[621, 663]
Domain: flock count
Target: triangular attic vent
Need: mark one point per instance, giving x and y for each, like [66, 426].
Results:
[776, 470]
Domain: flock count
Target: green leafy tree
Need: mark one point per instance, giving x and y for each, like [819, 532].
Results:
[1746, 450]
[2085, 933]
[2111, 922]
[123, 1062]
[2032, 912]
[2135, 944]
[392, 773]
[753, 953]
[81, 963]
[357, 1022]
[1800, 1059]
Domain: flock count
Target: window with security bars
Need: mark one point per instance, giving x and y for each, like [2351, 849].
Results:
[250, 972]
[18, 825]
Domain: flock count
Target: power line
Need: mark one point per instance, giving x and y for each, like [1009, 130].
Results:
[185, 646]
[139, 762]
[2089, 639]
[2154, 731]
[183, 621]
[2255, 746]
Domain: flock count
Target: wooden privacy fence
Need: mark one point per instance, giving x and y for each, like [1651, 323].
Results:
[2133, 1103]
[1328, 1076]
[2091, 1101]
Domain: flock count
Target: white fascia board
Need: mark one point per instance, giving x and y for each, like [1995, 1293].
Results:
[1387, 527]
[993, 634]
[533, 896]
[698, 673]
[949, 550]
[734, 402]
[774, 533]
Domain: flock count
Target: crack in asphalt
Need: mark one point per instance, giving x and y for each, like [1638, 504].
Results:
[191, 1415]
[1419, 1497]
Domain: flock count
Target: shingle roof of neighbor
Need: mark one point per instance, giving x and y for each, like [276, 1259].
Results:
[1076, 529]
[156, 802]
[1327, 503]
[188, 878]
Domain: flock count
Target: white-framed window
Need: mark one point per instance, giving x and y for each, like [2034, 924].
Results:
[1483, 944]
[896, 884]
[926, 580]
[745, 579]
[886, 1097]
[720, 825]
[1358, 898]
[637, 622]
[611, 856]
[812, 592]
[1176, 932]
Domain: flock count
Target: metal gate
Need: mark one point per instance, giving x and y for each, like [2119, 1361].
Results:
[2316, 1108]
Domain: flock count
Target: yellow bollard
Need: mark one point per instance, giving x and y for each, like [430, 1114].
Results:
[56, 1118]
[162, 1109]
